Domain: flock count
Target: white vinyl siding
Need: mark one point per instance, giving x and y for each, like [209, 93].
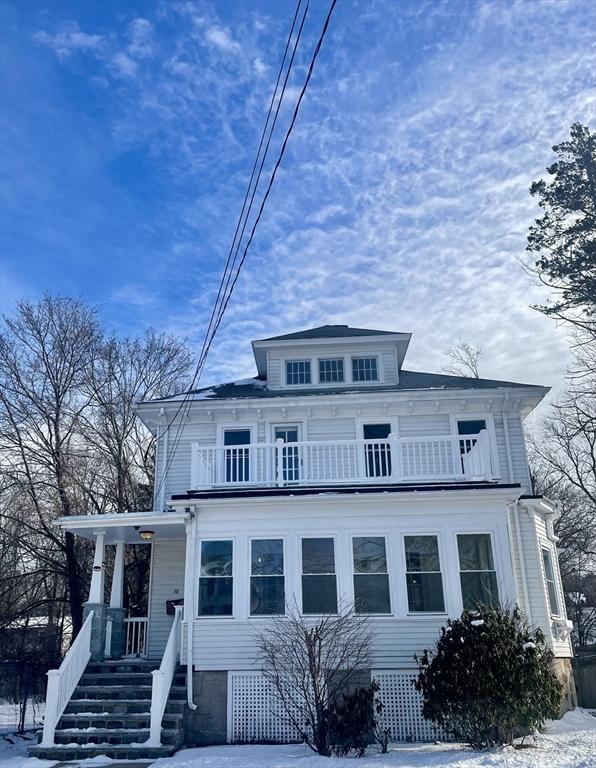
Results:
[167, 583]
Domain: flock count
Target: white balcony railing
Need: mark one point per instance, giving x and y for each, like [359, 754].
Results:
[405, 460]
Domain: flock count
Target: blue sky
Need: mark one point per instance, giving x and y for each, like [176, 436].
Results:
[129, 130]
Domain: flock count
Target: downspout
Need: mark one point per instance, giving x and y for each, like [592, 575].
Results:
[191, 532]
[522, 560]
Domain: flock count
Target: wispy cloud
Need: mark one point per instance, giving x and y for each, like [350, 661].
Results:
[222, 39]
[403, 200]
[70, 39]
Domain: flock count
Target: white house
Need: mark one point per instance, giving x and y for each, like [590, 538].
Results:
[334, 475]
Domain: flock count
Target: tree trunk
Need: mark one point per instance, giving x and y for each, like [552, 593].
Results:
[75, 599]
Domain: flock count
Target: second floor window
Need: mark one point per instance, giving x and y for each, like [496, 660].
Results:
[371, 580]
[267, 595]
[364, 369]
[423, 575]
[476, 570]
[319, 582]
[551, 586]
[331, 371]
[216, 578]
[297, 372]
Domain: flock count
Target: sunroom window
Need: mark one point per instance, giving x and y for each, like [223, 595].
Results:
[297, 372]
[267, 595]
[423, 575]
[477, 573]
[371, 580]
[551, 586]
[319, 582]
[216, 578]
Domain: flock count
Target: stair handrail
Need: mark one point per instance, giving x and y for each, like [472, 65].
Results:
[63, 681]
[162, 680]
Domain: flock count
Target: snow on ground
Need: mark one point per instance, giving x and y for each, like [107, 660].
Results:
[566, 743]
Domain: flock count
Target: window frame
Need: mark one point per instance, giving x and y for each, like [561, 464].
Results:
[388, 559]
[300, 573]
[336, 359]
[376, 358]
[442, 561]
[494, 552]
[210, 617]
[266, 537]
[287, 360]
[545, 548]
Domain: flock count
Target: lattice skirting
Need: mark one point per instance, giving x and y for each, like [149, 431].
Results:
[254, 715]
[402, 710]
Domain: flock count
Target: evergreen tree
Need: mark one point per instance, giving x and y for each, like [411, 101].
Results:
[489, 679]
[563, 239]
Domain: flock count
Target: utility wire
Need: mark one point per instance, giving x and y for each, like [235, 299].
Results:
[227, 269]
[228, 292]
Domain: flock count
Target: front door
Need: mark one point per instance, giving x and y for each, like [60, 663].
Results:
[377, 452]
[237, 459]
[290, 453]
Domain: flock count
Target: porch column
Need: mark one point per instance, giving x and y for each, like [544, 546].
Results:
[116, 611]
[95, 602]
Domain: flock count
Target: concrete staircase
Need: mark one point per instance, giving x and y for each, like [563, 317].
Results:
[108, 714]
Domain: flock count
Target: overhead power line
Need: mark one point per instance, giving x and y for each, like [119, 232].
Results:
[232, 270]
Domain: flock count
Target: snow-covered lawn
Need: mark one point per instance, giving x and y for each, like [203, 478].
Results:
[566, 743]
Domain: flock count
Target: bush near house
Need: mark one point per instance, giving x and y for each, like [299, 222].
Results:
[489, 678]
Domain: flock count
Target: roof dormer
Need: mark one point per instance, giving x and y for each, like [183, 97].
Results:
[331, 357]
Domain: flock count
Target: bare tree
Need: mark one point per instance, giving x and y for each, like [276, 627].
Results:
[310, 664]
[44, 353]
[464, 360]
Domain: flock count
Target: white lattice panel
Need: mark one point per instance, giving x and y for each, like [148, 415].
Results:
[255, 714]
[403, 708]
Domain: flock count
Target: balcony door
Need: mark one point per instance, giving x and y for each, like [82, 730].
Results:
[290, 453]
[237, 455]
[377, 453]
[468, 429]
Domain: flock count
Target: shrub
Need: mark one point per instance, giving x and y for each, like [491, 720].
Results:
[355, 720]
[489, 678]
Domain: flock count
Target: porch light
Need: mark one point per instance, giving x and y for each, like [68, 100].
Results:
[146, 535]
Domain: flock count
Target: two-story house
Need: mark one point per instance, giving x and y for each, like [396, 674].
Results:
[335, 475]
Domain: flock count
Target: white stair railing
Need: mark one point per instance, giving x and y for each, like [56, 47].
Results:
[63, 681]
[162, 680]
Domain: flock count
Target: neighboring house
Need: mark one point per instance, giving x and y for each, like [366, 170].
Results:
[333, 475]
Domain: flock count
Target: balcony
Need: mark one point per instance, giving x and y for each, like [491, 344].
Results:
[450, 458]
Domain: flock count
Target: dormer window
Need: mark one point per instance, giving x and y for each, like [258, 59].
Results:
[331, 371]
[365, 369]
[297, 372]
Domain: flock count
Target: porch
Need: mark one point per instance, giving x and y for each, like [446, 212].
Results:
[444, 458]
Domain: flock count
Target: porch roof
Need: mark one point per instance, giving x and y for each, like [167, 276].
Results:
[128, 526]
